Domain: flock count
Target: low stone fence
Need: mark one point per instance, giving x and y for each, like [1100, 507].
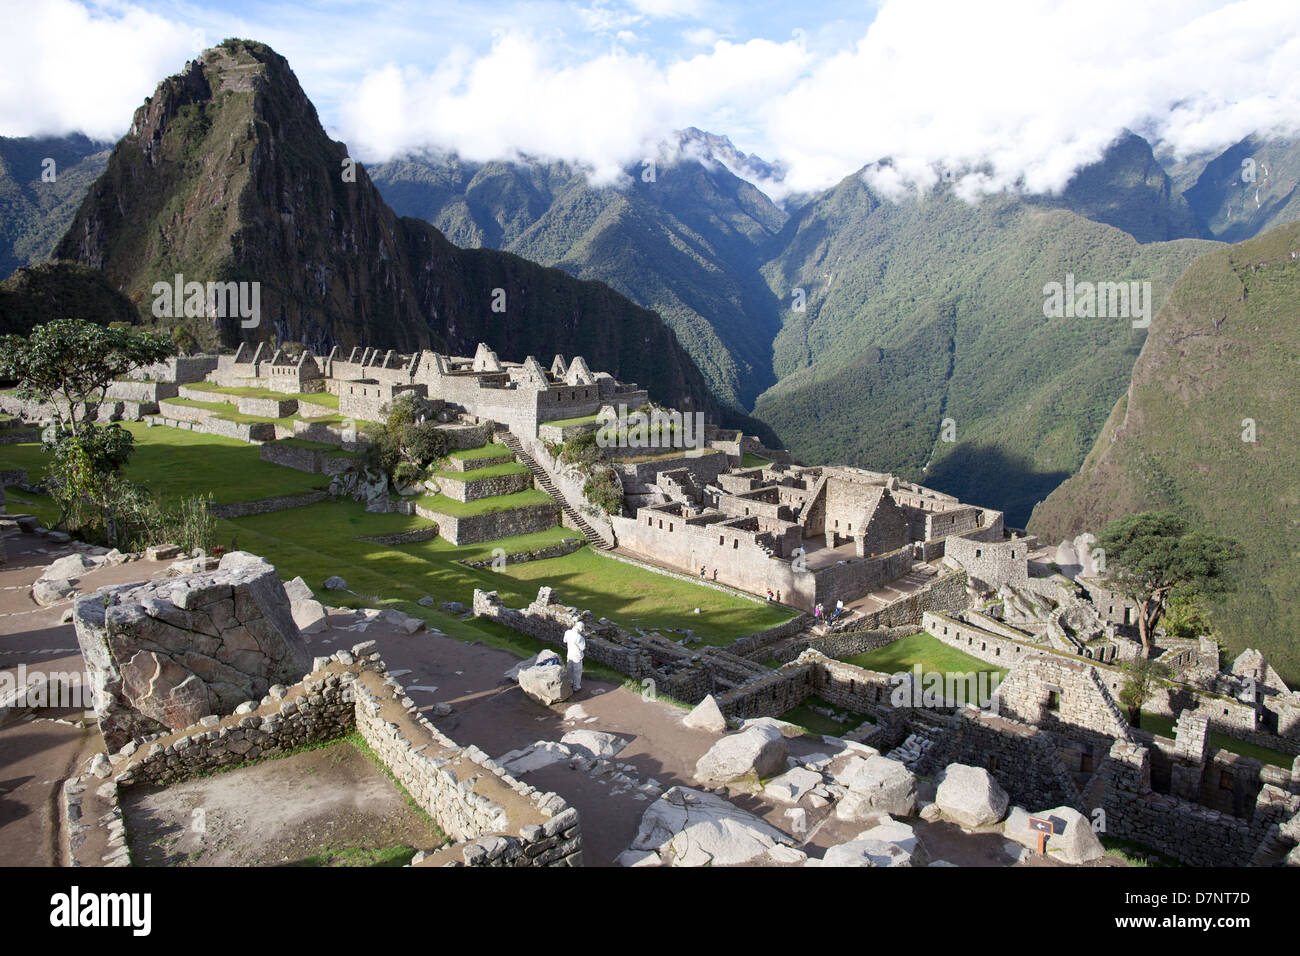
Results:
[567, 546]
[493, 819]
[242, 509]
[405, 537]
[475, 529]
[184, 413]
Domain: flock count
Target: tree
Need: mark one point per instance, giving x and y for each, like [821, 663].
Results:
[1142, 676]
[84, 469]
[70, 362]
[1152, 558]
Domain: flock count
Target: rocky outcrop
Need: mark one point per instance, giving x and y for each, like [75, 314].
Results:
[706, 716]
[161, 655]
[686, 827]
[1072, 840]
[546, 680]
[970, 797]
[757, 751]
[875, 785]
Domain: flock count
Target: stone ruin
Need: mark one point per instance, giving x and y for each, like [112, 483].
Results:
[162, 655]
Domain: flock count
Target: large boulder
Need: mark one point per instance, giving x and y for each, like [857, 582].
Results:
[970, 797]
[308, 613]
[1072, 841]
[47, 591]
[889, 843]
[706, 716]
[686, 827]
[876, 785]
[547, 680]
[756, 751]
[162, 654]
[593, 744]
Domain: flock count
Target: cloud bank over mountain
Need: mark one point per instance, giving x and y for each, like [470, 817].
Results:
[1017, 95]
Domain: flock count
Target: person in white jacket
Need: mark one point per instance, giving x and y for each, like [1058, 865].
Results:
[575, 645]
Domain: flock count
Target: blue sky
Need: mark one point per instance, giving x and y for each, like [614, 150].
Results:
[1016, 91]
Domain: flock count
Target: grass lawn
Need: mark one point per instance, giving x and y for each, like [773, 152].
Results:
[322, 540]
[754, 461]
[219, 407]
[1164, 727]
[804, 716]
[635, 597]
[493, 471]
[581, 420]
[176, 463]
[315, 398]
[21, 502]
[486, 451]
[484, 506]
[931, 653]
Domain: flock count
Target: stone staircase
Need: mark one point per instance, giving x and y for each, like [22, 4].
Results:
[543, 478]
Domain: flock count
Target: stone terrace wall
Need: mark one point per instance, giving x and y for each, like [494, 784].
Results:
[495, 819]
[475, 529]
[475, 488]
[240, 509]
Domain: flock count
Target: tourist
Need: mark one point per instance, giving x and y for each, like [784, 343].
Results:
[817, 612]
[704, 572]
[839, 611]
[575, 645]
[769, 595]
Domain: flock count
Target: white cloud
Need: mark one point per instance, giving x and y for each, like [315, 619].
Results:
[1038, 89]
[1022, 92]
[68, 67]
[605, 112]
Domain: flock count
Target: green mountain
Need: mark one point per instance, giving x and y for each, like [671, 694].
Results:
[1130, 190]
[227, 175]
[42, 182]
[1250, 188]
[1221, 357]
[932, 308]
[686, 242]
[60, 290]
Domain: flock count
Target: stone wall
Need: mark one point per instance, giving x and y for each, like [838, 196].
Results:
[492, 818]
[475, 529]
[241, 509]
[472, 489]
[567, 546]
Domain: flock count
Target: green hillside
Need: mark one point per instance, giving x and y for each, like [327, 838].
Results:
[1225, 348]
[944, 299]
[37, 199]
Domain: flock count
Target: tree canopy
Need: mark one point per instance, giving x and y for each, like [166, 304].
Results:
[1152, 557]
[69, 362]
